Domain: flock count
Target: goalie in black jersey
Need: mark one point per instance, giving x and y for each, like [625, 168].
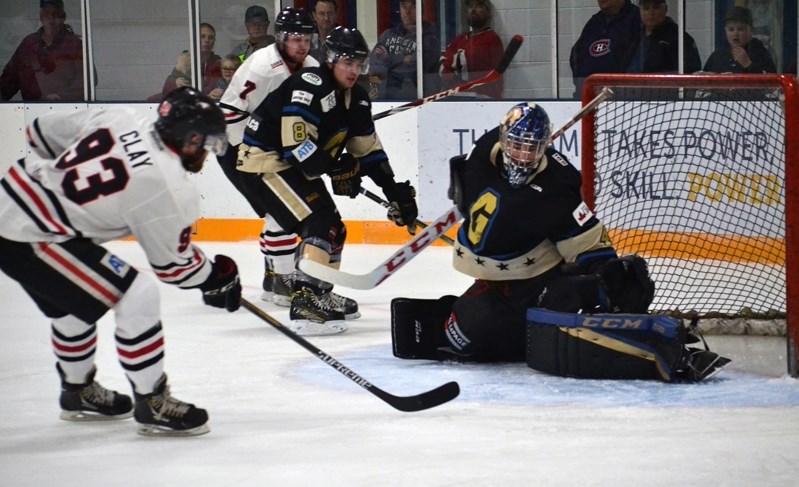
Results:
[529, 241]
[297, 135]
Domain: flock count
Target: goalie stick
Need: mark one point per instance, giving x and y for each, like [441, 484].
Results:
[386, 204]
[401, 257]
[425, 238]
[493, 75]
[419, 402]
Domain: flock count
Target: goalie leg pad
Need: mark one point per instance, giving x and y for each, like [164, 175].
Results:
[417, 327]
[615, 346]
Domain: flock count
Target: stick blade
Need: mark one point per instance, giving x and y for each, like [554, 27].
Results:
[337, 277]
[425, 400]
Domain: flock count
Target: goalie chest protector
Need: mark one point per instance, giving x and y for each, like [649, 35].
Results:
[604, 346]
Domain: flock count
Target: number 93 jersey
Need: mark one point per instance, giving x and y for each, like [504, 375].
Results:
[103, 175]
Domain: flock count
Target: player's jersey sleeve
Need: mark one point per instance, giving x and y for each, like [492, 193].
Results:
[364, 142]
[50, 134]
[161, 222]
[578, 234]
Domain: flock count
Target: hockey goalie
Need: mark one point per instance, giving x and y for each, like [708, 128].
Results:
[549, 287]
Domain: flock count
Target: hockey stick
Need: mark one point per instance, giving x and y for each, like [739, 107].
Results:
[419, 402]
[589, 107]
[493, 75]
[387, 268]
[416, 245]
[386, 204]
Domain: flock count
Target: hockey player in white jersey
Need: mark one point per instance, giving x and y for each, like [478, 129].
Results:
[97, 175]
[253, 81]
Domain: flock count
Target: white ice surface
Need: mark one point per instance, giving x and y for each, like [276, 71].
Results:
[279, 416]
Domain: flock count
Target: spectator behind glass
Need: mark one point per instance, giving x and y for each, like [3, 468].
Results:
[325, 13]
[229, 66]
[48, 64]
[181, 74]
[392, 63]
[607, 42]
[659, 45]
[472, 54]
[743, 54]
[257, 22]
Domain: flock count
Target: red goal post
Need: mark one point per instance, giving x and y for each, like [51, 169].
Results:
[699, 174]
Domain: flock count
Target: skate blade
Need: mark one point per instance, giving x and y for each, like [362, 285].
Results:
[162, 431]
[92, 416]
[307, 328]
[267, 296]
[353, 316]
[281, 300]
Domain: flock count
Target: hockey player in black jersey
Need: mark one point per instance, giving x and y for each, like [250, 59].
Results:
[529, 241]
[298, 134]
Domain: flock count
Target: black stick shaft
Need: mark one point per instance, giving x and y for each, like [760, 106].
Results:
[493, 75]
[386, 204]
[426, 400]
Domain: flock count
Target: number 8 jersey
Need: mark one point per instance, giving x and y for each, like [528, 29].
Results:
[104, 175]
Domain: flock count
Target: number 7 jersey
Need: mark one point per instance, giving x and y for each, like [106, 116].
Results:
[104, 175]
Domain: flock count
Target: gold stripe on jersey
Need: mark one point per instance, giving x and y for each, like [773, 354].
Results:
[542, 258]
[290, 199]
[255, 160]
[592, 239]
[295, 130]
[363, 145]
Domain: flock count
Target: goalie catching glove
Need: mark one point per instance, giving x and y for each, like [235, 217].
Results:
[345, 177]
[222, 289]
[404, 211]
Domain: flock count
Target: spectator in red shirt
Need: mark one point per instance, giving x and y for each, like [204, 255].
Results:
[48, 64]
[472, 54]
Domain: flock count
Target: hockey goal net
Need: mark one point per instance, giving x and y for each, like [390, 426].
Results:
[698, 173]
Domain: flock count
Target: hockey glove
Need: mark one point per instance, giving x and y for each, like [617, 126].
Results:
[345, 176]
[404, 211]
[222, 289]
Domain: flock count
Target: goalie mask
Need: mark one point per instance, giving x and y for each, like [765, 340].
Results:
[344, 43]
[191, 124]
[523, 135]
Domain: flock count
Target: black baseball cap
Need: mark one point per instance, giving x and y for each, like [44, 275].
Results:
[255, 13]
[59, 4]
[739, 14]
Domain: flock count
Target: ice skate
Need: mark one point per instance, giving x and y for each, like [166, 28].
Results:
[160, 414]
[92, 402]
[315, 314]
[346, 305]
[268, 283]
[281, 289]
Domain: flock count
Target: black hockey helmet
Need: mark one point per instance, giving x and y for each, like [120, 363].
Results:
[191, 123]
[294, 21]
[345, 43]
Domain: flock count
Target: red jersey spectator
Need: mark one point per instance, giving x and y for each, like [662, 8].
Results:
[48, 64]
[472, 54]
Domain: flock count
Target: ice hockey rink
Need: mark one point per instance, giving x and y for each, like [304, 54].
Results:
[282, 417]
